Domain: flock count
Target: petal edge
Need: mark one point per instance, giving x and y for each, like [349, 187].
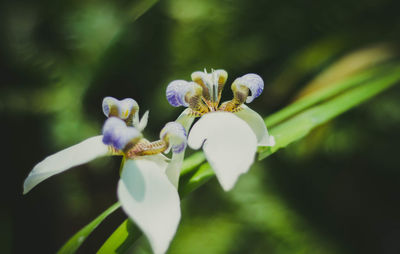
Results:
[75, 155]
[257, 124]
[229, 145]
[151, 201]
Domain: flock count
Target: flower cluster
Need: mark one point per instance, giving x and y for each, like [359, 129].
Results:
[229, 134]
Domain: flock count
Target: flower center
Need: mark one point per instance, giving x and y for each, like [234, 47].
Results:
[128, 141]
[203, 94]
[212, 84]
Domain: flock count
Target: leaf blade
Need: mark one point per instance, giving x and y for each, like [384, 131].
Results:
[76, 240]
[306, 121]
[121, 239]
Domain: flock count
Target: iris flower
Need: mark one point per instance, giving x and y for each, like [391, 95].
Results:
[147, 187]
[230, 132]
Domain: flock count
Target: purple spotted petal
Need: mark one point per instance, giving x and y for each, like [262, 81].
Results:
[110, 128]
[176, 92]
[179, 148]
[108, 102]
[176, 135]
[124, 136]
[124, 107]
[252, 81]
[117, 134]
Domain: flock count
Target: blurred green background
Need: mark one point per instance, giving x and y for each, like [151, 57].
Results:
[336, 191]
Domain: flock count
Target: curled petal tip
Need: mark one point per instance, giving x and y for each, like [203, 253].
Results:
[127, 106]
[110, 128]
[119, 108]
[108, 102]
[221, 75]
[117, 134]
[177, 91]
[253, 82]
[175, 134]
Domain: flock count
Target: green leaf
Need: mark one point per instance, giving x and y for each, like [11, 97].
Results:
[201, 176]
[321, 95]
[76, 240]
[192, 162]
[139, 8]
[301, 124]
[122, 239]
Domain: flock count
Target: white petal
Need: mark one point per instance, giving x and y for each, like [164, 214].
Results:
[257, 124]
[160, 159]
[143, 121]
[185, 119]
[229, 145]
[151, 201]
[78, 154]
[173, 170]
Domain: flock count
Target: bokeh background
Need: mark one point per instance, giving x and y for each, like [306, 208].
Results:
[336, 191]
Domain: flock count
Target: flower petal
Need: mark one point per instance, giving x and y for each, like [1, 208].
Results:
[78, 154]
[257, 124]
[119, 108]
[229, 145]
[174, 167]
[143, 121]
[150, 200]
[177, 91]
[175, 135]
[186, 119]
[253, 82]
[117, 134]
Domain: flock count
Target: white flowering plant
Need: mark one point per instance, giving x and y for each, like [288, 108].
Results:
[230, 135]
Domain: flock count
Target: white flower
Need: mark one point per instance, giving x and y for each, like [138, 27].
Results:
[229, 133]
[146, 188]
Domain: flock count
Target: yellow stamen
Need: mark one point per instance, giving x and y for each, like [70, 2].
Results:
[144, 147]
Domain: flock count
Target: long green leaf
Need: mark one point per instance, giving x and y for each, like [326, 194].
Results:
[192, 162]
[76, 240]
[301, 124]
[202, 175]
[321, 95]
[122, 238]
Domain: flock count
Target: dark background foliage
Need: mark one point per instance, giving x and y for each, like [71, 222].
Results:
[334, 192]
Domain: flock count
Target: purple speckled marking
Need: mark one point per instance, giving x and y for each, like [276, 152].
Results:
[117, 134]
[124, 136]
[176, 92]
[122, 106]
[255, 83]
[107, 101]
[107, 138]
[179, 148]
[176, 132]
